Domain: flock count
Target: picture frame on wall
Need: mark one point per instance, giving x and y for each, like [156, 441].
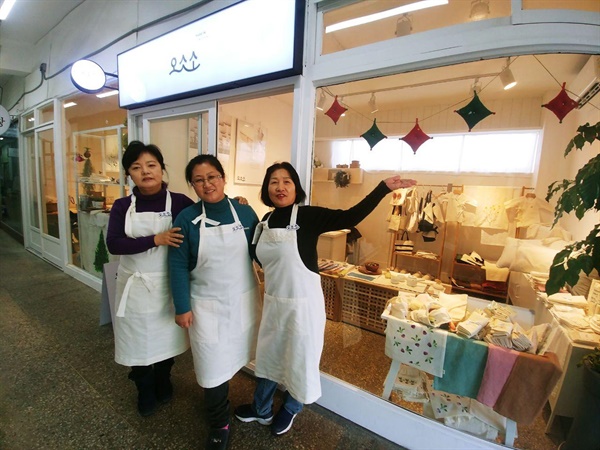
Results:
[250, 153]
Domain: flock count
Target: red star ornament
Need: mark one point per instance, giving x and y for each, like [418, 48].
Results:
[561, 105]
[373, 135]
[474, 112]
[335, 111]
[415, 137]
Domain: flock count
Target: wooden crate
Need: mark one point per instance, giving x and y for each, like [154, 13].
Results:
[363, 304]
[333, 299]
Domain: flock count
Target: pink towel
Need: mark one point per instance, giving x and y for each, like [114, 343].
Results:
[500, 362]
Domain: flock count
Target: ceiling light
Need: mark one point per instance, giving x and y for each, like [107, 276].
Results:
[321, 101]
[384, 14]
[88, 76]
[506, 77]
[403, 26]
[5, 8]
[480, 9]
[373, 104]
[68, 105]
[107, 94]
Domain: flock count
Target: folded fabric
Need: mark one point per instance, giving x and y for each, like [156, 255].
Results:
[416, 345]
[472, 425]
[520, 341]
[568, 299]
[528, 387]
[410, 384]
[473, 325]
[455, 304]
[537, 336]
[439, 317]
[499, 364]
[464, 365]
[420, 316]
[488, 415]
[448, 405]
[495, 273]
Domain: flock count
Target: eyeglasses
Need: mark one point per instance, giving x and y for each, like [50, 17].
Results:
[210, 179]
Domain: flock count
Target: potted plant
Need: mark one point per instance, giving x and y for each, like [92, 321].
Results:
[341, 178]
[579, 196]
[583, 434]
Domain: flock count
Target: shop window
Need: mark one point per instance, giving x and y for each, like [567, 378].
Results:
[10, 184]
[46, 114]
[28, 122]
[502, 152]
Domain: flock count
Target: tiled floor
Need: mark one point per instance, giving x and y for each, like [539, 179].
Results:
[61, 389]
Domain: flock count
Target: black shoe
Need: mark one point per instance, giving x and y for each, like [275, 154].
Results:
[283, 422]
[246, 413]
[217, 439]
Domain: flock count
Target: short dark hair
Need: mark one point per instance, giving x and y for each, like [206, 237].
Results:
[135, 149]
[264, 190]
[202, 159]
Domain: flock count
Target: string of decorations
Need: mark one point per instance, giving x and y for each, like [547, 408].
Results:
[472, 113]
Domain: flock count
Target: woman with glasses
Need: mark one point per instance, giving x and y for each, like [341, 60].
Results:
[140, 229]
[214, 288]
[292, 327]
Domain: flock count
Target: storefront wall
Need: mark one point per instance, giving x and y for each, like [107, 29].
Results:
[525, 32]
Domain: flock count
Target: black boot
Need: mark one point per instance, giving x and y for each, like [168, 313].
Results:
[143, 376]
[162, 379]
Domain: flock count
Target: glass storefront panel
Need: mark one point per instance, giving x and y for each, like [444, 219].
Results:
[28, 121]
[366, 22]
[10, 185]
[95, 138]
[361, 346]
[48, 183]
[46, 114]
[32, 180]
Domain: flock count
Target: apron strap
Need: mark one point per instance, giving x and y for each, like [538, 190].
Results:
[293, 225]
[148, 284]
[130, 212]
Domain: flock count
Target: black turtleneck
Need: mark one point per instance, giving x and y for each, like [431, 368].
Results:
[315, 220]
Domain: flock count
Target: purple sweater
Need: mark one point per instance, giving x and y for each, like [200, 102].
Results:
[116, 240]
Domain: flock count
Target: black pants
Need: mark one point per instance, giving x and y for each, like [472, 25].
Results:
[217, 405]
[138, 372]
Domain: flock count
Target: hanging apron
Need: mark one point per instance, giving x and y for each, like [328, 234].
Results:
[145, 328]
[225, 302]
[290, 340]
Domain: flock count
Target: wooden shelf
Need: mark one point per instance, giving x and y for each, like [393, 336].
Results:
[481, 293]
[412, 255]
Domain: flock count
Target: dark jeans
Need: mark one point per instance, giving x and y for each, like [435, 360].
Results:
[217, 405]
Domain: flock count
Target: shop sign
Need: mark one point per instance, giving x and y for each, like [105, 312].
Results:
[4, 120]
[250, 42]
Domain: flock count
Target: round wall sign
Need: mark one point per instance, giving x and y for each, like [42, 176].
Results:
[4, 120]
[87, 76]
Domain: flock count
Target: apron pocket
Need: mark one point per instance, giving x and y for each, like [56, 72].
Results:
[205, 327]
[291, 315]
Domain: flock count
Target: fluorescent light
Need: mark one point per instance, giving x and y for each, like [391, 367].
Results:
[385, 14]
[107, 94]
[68, 105]
[5, 8]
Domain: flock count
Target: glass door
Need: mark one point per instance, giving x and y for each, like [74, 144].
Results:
[42, 216]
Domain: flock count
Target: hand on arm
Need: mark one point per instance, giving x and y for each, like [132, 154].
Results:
[184, 320]
[170, 237]
[396, 182]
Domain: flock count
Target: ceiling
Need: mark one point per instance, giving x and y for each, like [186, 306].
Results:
[31, 20]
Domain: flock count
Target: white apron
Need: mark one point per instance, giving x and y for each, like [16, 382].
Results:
[225, 302]
[290, 340]
[145, 328]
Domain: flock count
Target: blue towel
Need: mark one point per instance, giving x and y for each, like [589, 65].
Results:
[464, 365]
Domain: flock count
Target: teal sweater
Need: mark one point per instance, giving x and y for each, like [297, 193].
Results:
[183, 259]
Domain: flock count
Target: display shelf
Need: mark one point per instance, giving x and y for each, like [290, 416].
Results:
[326, 175]
[477, 276]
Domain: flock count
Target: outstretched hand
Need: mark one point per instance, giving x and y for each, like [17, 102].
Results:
[396, 182]
[170, 237]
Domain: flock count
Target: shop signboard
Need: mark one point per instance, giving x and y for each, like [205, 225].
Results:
[249, 42]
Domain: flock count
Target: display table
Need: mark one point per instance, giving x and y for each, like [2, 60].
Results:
[423, 347]
[563, 342]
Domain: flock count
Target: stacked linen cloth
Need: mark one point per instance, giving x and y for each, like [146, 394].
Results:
[411, 384]
[519, 338]
[564, 298]
[537, 335]
[473, 325]
[499, 333]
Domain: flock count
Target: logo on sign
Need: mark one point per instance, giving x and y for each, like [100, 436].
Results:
[189, 65]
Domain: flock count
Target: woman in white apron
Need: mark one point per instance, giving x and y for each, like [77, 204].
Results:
[140, 230]
[290, 340]
[214, 288]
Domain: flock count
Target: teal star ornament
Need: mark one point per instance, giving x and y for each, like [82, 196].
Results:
[474, 112]
[373, 135]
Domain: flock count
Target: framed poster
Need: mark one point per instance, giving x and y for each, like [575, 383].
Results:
[250, 153]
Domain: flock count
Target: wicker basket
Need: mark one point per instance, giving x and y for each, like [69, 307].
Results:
[333, 300]
[363, 304]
